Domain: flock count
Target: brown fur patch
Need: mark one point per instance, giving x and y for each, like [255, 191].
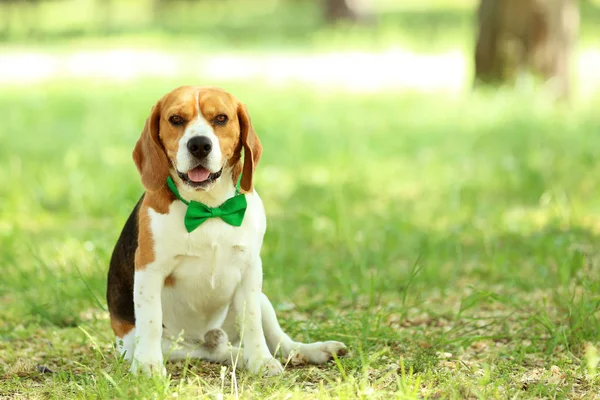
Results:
[170, 281]
[144, 254]
[236, 165]
[159, 201]
[119, 327]
[149, 155]
[252, 148]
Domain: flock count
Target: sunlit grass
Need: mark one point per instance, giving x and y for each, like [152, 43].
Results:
[450, 242]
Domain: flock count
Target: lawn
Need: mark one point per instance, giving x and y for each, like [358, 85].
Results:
[451, 241]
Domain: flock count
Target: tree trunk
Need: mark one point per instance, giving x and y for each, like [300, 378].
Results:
[104, 12]
[352, 10]
[515, 36]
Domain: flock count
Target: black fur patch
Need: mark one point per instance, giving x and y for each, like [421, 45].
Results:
[119, 292]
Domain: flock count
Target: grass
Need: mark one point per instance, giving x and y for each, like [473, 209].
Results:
[450, 243]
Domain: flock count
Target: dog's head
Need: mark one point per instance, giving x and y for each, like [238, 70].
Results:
[197, 133]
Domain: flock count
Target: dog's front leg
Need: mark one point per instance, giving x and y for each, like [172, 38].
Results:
[147, 289]
[247, 301]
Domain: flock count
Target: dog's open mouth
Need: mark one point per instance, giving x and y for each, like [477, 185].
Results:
[199, 177]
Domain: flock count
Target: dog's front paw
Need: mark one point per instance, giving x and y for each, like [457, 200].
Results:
[267, 366]
[317, 353]
[148, 366]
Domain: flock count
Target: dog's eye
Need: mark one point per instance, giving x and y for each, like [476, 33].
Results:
[221, 119]
[176, 120]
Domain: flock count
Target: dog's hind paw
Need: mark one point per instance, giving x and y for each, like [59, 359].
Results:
[317, 353]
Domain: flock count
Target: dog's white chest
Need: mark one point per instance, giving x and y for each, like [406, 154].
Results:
[207, 266]
[214, 258]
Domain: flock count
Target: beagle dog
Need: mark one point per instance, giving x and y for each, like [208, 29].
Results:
[182, 285]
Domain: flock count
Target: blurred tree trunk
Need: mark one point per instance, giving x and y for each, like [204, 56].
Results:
[158, 12]
[104, 9]
[24, 14]
[519, 35]
[352, 10]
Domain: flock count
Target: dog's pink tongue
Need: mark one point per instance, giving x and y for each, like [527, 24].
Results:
[198, 174]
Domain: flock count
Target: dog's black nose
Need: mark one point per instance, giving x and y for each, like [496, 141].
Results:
[199, 146]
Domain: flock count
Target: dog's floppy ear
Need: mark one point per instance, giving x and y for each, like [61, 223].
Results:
[149, 155]
[252, 148]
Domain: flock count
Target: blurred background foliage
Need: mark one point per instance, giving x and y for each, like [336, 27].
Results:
[492, 41]
[369, 24]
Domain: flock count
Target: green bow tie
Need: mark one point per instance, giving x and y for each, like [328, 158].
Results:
[232, 211]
